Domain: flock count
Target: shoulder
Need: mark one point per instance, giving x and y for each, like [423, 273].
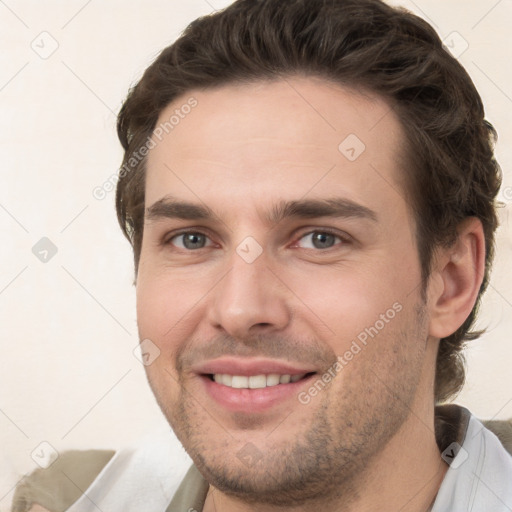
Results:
[502, 429]
[452, 421]
[56, 488]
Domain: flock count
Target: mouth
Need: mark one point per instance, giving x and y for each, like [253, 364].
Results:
[253, 385]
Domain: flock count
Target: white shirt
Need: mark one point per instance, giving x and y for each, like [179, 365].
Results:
[479, 478]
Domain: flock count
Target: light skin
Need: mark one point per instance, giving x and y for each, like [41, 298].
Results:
[366, 441]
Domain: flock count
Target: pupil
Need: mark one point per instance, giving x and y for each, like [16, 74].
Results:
[323, 240]
[193, 240]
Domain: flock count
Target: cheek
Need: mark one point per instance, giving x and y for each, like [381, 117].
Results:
[166, 303]
[154, 304]
[159, 310]
[358, 306]
[347, 301]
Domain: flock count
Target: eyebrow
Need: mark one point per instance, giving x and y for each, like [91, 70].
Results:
[312, 208]
[172, 208]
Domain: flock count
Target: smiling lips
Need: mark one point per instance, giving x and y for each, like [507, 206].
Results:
[255, 381]
[252, 385]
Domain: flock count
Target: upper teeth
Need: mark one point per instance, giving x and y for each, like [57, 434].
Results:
[254, 381]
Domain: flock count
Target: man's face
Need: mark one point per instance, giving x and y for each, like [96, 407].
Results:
[295, 262]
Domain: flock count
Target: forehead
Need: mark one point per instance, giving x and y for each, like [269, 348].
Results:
[292, 137]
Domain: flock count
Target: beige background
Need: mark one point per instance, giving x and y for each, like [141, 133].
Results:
[69, 376]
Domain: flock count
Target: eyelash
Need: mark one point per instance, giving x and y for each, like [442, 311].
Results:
[344, 239]
[168, 241]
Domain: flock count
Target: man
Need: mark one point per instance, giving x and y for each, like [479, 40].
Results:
[309, 189]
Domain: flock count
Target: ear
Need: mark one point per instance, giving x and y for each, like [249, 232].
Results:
[456, 279]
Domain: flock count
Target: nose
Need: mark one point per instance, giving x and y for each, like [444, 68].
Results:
[249, 299]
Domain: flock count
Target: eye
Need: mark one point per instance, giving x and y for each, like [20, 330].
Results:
[190, 240]
[319, 240]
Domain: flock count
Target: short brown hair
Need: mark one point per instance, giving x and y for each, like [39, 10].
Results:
[355, 43]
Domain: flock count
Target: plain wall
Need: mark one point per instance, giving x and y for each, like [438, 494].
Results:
[69, 376]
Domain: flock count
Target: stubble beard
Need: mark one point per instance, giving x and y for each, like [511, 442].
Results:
[327, 461]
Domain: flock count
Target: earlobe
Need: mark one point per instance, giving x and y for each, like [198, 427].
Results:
[459, 272]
